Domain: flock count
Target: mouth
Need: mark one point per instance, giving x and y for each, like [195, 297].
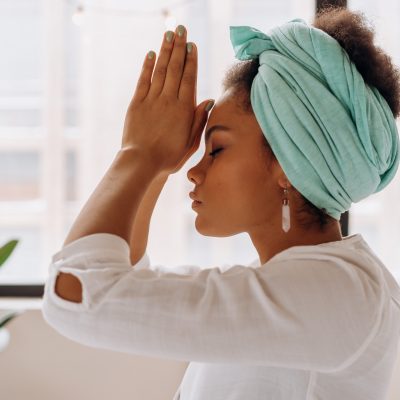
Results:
[193, 196]
[196, 203]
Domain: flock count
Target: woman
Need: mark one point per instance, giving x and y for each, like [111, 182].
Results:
[302, 130]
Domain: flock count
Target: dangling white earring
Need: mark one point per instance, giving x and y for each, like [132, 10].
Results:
[285, 211]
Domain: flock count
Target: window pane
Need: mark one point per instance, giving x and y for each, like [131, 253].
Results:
[19, 176]
[21, 69]
[20, 117]
[72, 35]
[70, 176]
[25, 263]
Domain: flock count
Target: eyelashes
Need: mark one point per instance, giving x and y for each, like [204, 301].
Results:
[212, 154]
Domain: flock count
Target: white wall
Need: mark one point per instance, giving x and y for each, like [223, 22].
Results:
[40, 364]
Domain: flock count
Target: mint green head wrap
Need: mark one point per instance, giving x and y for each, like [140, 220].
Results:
[334, 136]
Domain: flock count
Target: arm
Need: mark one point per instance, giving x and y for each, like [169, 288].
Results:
[296, 312]
[113, 205]
[141, 224]
[112, 208]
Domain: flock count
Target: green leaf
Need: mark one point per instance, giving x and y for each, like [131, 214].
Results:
[6, 250]
[7, 319]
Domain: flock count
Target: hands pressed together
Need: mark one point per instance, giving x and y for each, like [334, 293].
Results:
[163, 121]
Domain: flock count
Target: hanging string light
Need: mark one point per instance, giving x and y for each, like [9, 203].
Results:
[170, 21]
[78, 16]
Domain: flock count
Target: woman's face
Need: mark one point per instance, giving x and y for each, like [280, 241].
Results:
[237, 190]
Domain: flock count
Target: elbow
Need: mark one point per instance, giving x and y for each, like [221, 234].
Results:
[68, 287]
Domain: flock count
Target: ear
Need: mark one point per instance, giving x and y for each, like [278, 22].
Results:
[283, 181]
[277, 172]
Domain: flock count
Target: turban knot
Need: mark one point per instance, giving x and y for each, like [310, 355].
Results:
[334, 135]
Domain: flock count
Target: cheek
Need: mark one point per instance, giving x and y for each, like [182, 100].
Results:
[253, 182]
[237, 180]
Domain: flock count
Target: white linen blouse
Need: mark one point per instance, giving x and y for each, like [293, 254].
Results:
[317, 322]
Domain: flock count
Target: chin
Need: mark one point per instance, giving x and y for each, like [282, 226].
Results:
[212, 230]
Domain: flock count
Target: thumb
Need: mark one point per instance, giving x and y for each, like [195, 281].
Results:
[199, 120]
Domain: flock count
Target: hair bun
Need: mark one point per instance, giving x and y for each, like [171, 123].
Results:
[351, 30]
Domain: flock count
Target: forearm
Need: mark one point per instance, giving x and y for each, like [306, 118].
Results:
[141, 223]
[111, 208]
[113, 205]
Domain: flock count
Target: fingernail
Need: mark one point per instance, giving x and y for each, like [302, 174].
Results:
[169, 35]
[189, 47]
[209, 105]
[181, 30]
[151, 54]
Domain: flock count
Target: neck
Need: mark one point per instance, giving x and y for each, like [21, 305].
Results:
[272, 242]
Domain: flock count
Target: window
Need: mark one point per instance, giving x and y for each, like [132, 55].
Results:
[66, 80]
[377, 216]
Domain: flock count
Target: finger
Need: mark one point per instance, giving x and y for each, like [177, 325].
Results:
[161, 67]
[187, 88]
[195, 81]
[176, 64]
[199, 122]
[144, 81]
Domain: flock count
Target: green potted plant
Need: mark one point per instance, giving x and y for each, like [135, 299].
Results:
[6, 316]
[6, 251]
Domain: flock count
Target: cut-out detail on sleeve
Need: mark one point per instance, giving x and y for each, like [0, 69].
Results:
[284, 313]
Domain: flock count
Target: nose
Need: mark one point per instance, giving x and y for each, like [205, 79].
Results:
[190, 176]
[193, 175]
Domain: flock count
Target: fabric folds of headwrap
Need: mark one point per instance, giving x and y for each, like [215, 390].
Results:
[334, 136]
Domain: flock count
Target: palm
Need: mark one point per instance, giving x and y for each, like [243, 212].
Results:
[194, 148]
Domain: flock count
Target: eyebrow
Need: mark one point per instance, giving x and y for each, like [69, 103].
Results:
[213, 128]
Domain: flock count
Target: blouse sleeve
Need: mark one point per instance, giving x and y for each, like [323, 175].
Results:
[305, 314]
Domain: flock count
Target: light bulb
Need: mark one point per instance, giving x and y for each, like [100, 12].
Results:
[78, 17]
[169, 20]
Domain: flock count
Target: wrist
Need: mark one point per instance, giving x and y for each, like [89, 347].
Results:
[161, 177]
[133, 155]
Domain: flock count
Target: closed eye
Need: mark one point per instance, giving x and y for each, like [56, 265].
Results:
[212, 154]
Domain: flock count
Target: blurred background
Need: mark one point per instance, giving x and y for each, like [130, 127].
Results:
[68, 70]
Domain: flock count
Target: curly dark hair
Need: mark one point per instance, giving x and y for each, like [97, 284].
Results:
[351, 30]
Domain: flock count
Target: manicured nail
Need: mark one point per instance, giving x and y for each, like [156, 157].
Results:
[189, 47]
[169, 35]
[181, 30]
[151, 54]
[209, 105]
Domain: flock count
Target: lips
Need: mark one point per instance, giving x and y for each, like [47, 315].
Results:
[196, 204]
[193, 196]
